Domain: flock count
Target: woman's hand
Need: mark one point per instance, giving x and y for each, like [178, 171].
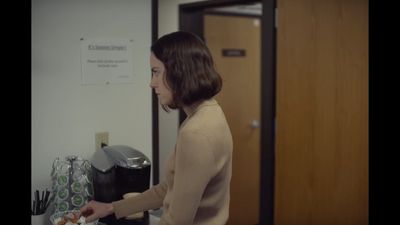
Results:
[94, 210]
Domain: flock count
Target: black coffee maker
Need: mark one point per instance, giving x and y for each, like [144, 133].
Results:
[117, 170]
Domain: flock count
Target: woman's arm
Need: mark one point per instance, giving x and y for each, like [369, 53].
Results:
[95, 210]
[150, 199]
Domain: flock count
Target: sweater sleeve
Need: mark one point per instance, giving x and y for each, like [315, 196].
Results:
[194, 167]
[150, 199]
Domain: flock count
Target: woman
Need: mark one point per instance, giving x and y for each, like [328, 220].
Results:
[198, 172]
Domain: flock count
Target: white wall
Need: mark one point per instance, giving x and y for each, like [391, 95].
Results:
[65, 114]
[168, 14]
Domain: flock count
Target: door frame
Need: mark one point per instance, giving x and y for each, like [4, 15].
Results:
[191, 18]
[154, 101]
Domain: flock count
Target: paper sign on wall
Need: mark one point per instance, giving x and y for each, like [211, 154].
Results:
[106, 61]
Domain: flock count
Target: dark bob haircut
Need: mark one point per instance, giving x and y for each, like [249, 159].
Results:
[189, 66]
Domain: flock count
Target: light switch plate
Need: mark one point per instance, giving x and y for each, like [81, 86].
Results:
[101, 137]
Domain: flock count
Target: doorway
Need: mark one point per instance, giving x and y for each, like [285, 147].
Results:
[234, 42]
[254, 153]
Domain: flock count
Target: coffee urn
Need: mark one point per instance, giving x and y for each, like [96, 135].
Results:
[118, 170]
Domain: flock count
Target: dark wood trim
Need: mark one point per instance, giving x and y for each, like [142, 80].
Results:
[194, 13]
[191, 20]
[154, 100]
[268, 96]
[182, 116]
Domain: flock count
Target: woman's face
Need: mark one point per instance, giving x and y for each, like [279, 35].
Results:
[158, 82]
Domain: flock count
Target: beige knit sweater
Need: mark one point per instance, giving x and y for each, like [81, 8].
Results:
[198, 174]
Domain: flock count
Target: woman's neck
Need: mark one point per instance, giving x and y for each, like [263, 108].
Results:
[189, 110]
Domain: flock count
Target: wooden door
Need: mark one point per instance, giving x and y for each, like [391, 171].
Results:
[322, 113]
[240, 100]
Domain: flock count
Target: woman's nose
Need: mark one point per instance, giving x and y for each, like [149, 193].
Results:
[152, 82]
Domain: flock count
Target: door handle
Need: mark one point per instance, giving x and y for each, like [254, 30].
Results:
[255, 124]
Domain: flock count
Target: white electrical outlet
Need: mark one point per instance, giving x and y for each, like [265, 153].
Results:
[101, 137]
